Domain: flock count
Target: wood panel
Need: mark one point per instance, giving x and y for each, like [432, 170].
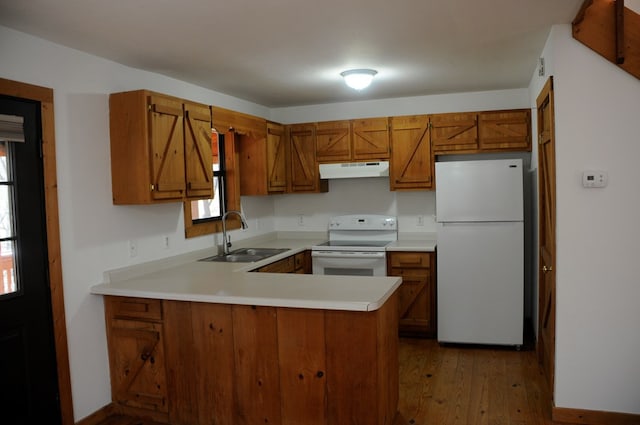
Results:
[277, 154]
[593, 417]
[455, 132]
[304, 174]
[181, 370]
[411, 160]
[505, 130]
[301, 351]
[595, 26]
[213, 329]
[370, 138]
[333, 141]
[257, 378]
[198, 151]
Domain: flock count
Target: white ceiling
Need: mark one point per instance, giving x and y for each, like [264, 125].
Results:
[290, 52]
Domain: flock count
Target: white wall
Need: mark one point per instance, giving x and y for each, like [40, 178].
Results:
[597, 346]
[95, 233]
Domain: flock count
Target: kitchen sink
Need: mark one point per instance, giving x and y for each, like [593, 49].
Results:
[246, 255]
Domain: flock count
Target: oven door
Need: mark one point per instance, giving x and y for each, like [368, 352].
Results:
[349, 263]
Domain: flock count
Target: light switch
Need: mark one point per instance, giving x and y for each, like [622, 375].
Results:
[592, 179]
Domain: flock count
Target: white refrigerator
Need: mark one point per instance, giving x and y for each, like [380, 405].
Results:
[480, 252]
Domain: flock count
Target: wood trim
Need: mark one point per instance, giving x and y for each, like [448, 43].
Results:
[45, 97]
[594, 417]
[595, 26]
[99, 415]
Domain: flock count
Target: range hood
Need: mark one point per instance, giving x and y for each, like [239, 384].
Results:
[350, 170]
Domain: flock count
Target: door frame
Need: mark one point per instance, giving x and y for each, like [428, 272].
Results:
[45, 97]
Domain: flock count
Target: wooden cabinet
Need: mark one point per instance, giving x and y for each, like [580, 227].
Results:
[479, 132]
[261, 149]
[505, 130]
[417, 294]
[304, 174]
[411, 164]
[453, 133]
[370, 138]
[333, 141]
[160, 148]
[355, 140]
[136, 355]
[277, 154]
[241, 364]
[299, 263]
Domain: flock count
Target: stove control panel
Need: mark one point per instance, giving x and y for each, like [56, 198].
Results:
[363, 222]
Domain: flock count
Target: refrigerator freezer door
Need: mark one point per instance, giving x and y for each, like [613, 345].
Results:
[480, 283]
[479, 190]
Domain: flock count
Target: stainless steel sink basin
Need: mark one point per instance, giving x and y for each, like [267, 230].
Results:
[246, 255]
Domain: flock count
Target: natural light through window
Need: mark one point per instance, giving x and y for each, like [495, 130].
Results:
[7, 236]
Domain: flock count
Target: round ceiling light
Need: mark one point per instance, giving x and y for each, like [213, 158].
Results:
[358, 78]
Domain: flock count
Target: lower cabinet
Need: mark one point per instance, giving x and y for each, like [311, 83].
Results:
[417, 294]
[239, 364]
[136, 355]
[299, 263]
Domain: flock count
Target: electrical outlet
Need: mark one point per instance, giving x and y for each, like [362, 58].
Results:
[165, 241]
[133, 248]
[300, 220]
[420, 220]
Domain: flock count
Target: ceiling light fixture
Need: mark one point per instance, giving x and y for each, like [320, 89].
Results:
[358, 78]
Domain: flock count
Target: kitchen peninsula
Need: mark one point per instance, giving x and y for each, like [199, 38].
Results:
[212, 343]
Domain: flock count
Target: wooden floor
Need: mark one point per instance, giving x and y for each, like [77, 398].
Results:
[460, 385]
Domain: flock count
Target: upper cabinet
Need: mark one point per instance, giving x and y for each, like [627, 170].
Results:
[277, 154]
[505, 130]
[304, 175]
[333, 141]
[371, 138]
[454, 132]
[154, 156]
[197, 150]
[477, 132]
[355, 140]
[411, 164]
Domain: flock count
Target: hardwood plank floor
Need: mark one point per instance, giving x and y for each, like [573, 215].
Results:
[459, 385]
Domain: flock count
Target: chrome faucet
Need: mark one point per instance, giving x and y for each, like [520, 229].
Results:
[226, 242]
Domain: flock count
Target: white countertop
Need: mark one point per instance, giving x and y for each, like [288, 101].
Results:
[184, 278]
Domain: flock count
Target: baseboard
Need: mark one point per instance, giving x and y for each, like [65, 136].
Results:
[593, 417]
[99, 415]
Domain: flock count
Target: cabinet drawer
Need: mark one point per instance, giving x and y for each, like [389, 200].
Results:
[136, 308]
[286, 265]
[410, 259]
[299, 261]
[415, 273]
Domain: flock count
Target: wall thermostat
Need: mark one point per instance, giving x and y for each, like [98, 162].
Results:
[594, 179]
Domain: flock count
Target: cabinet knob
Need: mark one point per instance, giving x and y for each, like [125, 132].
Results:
[547, 269]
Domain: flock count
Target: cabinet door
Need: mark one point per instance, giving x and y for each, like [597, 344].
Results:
[138, 377]
[166, 147]
[416, 295]
[198, 153]
[304, 169]
[276, 158]
[505, 130]
[333, 141]
[452, 133]
[371, 138]
[411, 161]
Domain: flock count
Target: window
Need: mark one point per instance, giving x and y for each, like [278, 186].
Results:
[203, 216]
[203, 210]
[8, 283]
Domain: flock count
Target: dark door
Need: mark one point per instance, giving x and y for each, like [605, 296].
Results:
[28, 374]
